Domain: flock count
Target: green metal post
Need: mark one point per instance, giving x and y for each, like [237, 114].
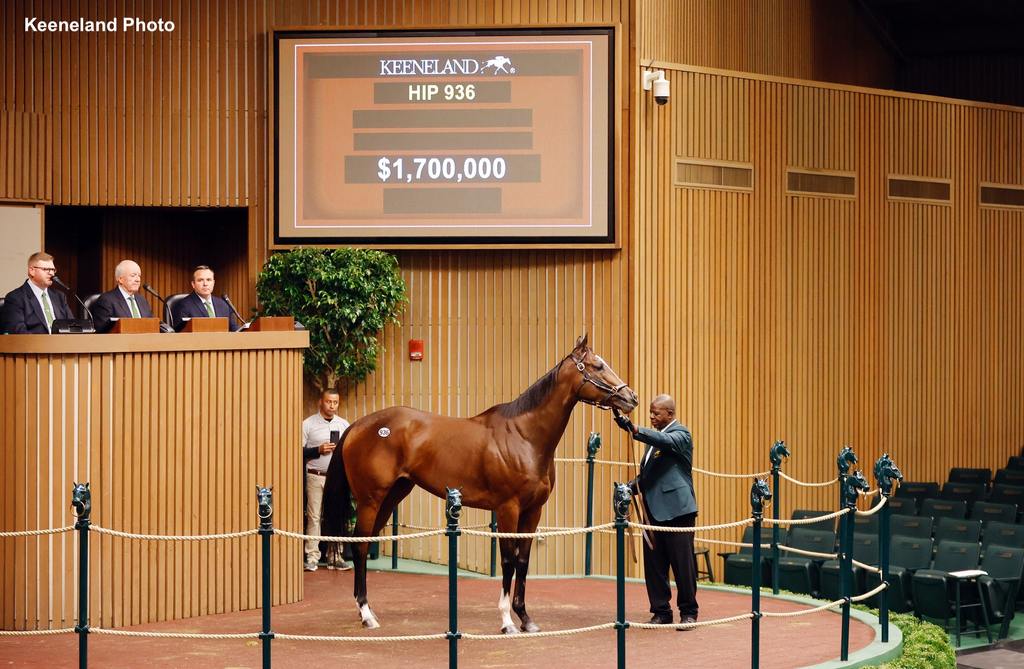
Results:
[81, 499]
[758, 493]
[777, 452]
[621, 499]
[845, 574]
[886, 472]
[394, 533]
[265, 511]
[593, 444]
[453, 509]
[494, 544]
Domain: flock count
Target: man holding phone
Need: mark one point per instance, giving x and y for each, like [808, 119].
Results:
[321, 433]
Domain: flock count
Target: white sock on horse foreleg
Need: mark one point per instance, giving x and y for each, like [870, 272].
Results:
[369, 620]
[505, 607]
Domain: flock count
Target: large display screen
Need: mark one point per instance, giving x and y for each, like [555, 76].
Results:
[501, 137]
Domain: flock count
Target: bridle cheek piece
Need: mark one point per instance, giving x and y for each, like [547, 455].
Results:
[597, 383]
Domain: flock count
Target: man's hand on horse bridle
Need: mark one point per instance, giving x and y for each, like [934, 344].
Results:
[624, 422]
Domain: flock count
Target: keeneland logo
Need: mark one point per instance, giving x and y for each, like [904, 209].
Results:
[411, 67]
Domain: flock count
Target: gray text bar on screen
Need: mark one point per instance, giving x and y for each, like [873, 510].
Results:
[467, 141]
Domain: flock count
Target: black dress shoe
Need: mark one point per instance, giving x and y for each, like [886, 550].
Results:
[660, 620]
[686, 620]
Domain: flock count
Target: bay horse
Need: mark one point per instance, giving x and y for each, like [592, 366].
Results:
[501, 460]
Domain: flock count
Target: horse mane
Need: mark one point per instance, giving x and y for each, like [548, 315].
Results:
[532, 397]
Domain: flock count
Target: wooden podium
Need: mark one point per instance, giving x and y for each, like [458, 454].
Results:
[173, 432]
[135, 326]
[217, 324]
[272, 324]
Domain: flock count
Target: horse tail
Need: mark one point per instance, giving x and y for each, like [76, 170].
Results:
[337, 503]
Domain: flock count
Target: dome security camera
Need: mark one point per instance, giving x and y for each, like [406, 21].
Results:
[656, 80]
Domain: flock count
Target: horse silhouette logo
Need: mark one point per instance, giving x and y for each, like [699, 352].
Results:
[501, 64]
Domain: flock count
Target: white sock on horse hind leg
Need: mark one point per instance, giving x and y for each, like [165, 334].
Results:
[505, 606]
[369, 620]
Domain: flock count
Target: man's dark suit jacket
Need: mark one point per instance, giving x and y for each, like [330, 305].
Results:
[666, 477]
[192, 307]
[22, 313]
[112, 304]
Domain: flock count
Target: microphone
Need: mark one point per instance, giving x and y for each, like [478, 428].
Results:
[241, 320]
[85, 309]
[167, 311]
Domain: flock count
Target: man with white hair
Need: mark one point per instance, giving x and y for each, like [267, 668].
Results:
[123, 301]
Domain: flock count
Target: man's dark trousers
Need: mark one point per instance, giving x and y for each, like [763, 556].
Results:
[675, 550]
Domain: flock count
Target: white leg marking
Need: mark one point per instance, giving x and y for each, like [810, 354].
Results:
[505, 607]
[369, 620]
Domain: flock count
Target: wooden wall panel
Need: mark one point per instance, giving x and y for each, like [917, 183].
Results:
[884, 324]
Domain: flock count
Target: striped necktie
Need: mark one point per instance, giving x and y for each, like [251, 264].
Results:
[134, 307]
[209, 308]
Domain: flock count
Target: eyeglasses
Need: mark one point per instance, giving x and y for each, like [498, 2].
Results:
[51, 270]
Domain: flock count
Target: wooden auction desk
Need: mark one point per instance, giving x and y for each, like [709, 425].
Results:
[173, 432]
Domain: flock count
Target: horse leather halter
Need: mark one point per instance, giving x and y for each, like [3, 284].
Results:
[597, 383]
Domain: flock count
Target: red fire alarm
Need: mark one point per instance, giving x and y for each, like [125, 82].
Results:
[416, 349]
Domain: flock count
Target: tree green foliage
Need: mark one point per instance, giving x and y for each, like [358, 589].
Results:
[344, 298]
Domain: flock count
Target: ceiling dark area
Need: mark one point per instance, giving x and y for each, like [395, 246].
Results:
[970, 49]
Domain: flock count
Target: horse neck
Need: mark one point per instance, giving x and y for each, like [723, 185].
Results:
[544, 425]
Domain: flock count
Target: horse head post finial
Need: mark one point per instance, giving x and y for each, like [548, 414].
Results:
[759, 494]
[853, 484]
[593, 445]
[81, 500]
[886, 472]
[453, 506]
[265, 506]
[777, 452]
[620, 502]
[846, 459]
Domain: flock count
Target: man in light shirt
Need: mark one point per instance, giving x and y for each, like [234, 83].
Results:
[124, 301]
[201, 302]
[32, 307]
[666, 484]
[318, 445]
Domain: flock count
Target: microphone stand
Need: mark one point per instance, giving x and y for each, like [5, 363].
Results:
[242, 323]
[166, 320]
[85, 310]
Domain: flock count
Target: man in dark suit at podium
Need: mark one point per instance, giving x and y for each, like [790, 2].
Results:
[125, 300]
[32, 307]
[201, 302]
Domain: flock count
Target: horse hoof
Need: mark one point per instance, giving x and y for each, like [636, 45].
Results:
[530, 627]
[509, 629]
[371, 624]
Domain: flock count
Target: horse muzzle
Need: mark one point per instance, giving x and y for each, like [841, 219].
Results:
[625, 400]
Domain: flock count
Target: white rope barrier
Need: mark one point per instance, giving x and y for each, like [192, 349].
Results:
[538, 535]
[806, 521]
[371, 639]
[867, 567]
[696, 469]
[173, 635]
[804, 483]
[536, 635]
[596, 462]
[873, 510]
[173, 537]
[62, 630]
[794, 614]
[358, 540]
[693, 625]
[424, 527]
[699, 528]
[800, 551]
[30, 533]
[730, 476]
[702, 540]
[871, 593]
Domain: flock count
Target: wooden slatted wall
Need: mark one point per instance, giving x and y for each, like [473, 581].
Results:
[885, 324]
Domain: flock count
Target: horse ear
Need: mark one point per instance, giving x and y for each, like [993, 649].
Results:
[581, 342]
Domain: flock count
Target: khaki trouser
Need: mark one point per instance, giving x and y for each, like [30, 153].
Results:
[314, 504]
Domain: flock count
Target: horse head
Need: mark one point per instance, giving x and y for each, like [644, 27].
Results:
[847, 458]
[854, 484]
[265, 502]
[886, 472]
[81, 499]
[453, 504]
[621, 499]
[759, 494]
[600, 385]
[778, 452]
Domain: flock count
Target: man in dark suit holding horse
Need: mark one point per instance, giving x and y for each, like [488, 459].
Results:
[666, 484]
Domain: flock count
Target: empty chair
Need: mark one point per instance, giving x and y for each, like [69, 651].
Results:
[1010, 477]
[88, 302]
[944, 508]
[910, 526]
[992, 511]
[918, 489]
[933, 588]
[957, 529]
[802, 514]
[1007, 494]
[1015, 462]
[1003, 534]
[865, 524]
[739, 565]
[970, 475]
[172, 302]
[906, 506]
[906, 556]
[799, 573]
[865, 550]
[1000, 588]
[968, 492]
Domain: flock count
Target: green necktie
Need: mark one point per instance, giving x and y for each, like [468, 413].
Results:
[134, 307]
[209, 309]
[47, 310]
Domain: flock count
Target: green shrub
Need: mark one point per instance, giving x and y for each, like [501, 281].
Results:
[925, 646]
[344, 297]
